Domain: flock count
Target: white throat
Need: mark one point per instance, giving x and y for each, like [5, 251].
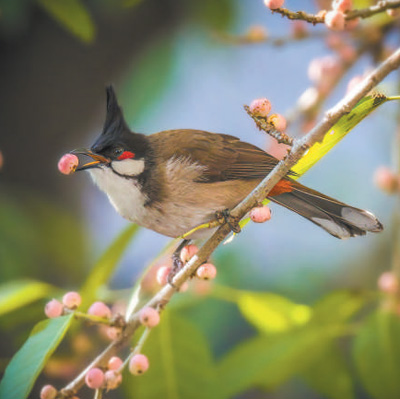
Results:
[124, 193]
[128, 167]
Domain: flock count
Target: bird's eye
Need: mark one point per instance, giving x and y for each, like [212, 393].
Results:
[118, 151]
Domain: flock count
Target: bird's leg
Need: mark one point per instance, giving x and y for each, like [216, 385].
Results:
[225, 217]
[177, 263]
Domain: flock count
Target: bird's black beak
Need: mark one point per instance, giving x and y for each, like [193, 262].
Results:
[95, 161]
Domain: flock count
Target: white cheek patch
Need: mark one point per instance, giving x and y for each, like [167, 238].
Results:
[128, 167]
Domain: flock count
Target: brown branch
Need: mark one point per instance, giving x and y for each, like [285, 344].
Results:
[300, 146]
[319, 18]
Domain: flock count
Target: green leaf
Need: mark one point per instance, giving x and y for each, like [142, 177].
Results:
[73, 16]
[106, 265]
[15, 294]
[181, 365]
[269, 361]
[377, 355]
[28, 362]
[340, 306]
[329, 374]
[346, 123]
[272, 313]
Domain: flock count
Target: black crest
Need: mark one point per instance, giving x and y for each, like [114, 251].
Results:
[115, 127]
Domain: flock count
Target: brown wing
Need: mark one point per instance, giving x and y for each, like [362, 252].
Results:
[226, 157]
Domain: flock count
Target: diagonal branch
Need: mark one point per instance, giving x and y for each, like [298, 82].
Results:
[161, 299]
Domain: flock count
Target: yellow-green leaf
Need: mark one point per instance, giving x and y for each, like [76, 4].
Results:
[73, 16]
[338, 132]
[272, 313]
[18, 293]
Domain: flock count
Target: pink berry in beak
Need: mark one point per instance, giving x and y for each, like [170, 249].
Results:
[68, 163]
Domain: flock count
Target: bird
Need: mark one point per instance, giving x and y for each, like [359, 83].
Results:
[175, 180]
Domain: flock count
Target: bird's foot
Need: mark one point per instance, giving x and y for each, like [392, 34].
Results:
[225, 217]
[177, 263]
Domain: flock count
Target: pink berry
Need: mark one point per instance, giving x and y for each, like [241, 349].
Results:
[260, 107]
[72, 300]
[273, 4]
[347, 53]
[113, 333]
[298, 29]
[278, 121]
[207, 271]
[184, 287]
[138, 364]
[53, 309]
[115, 363]
[68, 163]
[352, 23]
[188, 251]
[48, 392]
[388, 283]
[260, 214]
[100, 309]
[324, 68]
[335, 20]
[149, 317]
[113, 379]
[162, 274]
[386, 180]
[94, 378]
[342, 5]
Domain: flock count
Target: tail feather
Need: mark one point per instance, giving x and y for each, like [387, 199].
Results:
[337, 218]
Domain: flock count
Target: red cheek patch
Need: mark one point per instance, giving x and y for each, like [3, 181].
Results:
[126, 155]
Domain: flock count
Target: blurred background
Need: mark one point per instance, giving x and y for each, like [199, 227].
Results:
[174, 64]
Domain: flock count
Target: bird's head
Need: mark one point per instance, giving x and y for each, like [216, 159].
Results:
[117, 149]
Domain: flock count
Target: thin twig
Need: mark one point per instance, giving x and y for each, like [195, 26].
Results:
[262, 124]
[257, 195]
[319, 18]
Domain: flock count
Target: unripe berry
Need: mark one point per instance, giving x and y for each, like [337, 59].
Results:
[48, 392]
[260, 214]
[347, 53]
[53, 309]
[113, 379]
[298, 29]
[335, 20]
[273, 4]
[386, 180]
[94, 378]
[68, 163]
[1, 160]
[115, 363]
[100, 309]
[162, 274]
[187, 252]
[321, 69]
[388, 283]
[257, 33]
[72, 300]
[149, 317]
[138, 364]
[206, 271]
[278, 121]
[342, 5]
[260, 107]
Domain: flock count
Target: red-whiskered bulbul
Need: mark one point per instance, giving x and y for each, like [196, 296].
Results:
[175, 180]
